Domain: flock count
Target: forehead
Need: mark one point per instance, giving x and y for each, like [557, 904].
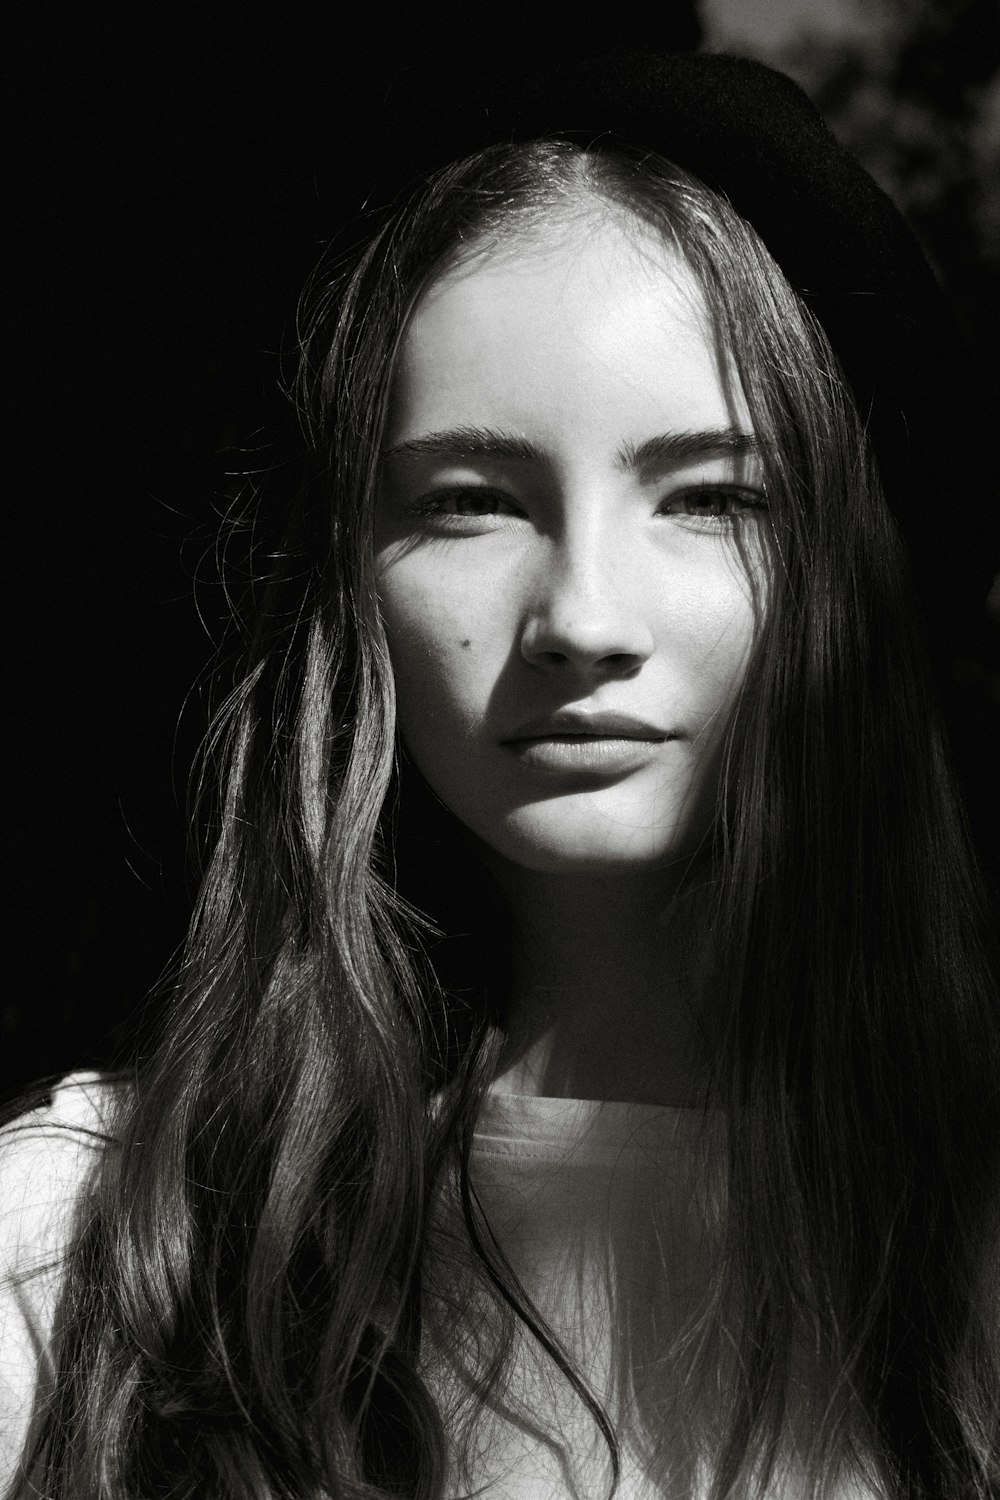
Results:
[597, 322]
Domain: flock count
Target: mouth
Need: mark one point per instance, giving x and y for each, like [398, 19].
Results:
[594, 745]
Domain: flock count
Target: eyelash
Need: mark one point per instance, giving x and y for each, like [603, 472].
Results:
[750, 500]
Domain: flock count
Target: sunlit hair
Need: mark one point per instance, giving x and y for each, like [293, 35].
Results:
[245, 1305]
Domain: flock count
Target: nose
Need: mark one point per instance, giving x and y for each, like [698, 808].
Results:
[584, 615]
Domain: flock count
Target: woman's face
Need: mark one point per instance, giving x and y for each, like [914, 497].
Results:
[566, 607]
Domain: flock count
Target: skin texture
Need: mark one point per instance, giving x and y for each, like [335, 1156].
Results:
[515, 585]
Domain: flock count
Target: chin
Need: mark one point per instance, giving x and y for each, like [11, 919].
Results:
[607, 851]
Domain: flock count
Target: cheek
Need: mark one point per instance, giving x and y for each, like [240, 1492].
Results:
[442, 645]
[724, 654]
[713, 639]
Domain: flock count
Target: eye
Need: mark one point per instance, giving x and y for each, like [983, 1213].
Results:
[452, 507]
[717, 504]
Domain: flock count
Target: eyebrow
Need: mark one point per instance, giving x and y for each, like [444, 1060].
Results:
[662, 450]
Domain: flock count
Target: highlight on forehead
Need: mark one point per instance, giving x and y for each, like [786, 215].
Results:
[644, 252]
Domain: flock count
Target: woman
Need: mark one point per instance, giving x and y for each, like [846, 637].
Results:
[583, 1069]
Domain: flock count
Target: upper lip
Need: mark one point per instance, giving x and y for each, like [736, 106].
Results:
[602, 725]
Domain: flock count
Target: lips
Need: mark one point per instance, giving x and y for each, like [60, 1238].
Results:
[571, 742]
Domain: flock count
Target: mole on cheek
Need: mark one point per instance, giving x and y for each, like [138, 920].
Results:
[466, 645]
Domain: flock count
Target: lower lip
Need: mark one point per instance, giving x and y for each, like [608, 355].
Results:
[583, 752]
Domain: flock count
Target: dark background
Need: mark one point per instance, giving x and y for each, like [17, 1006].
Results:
[177, 172]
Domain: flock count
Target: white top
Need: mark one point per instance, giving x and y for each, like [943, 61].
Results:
[45, 1160]
[605, 1213]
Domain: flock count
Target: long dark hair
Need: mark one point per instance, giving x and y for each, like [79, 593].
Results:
[244, 1304]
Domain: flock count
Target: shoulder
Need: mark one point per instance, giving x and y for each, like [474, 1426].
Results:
[46, 1158]
[47, 1161]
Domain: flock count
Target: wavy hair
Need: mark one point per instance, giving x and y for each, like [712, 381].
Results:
[245, 1302]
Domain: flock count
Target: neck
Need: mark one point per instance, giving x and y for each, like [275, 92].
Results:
[611, 987]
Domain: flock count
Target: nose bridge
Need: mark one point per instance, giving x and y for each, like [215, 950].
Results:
[587, 557]
[586, 606]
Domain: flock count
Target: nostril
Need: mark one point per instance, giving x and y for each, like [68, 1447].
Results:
[613, 664]
[621, 664]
